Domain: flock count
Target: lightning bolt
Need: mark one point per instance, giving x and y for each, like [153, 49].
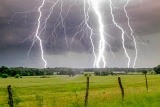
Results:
[38, 31]
[91, 31]
[101, 57]
[123, 32]
[37, 34]
[132, 34]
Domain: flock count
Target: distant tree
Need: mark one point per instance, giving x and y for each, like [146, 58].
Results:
[157, 69]
[71, 73]
[144, 72]
[13, 72]
[97, 73]
[102, 73]
[17, 76]
[4, 75]
[4, 70]
[105, 73]
[56, 69]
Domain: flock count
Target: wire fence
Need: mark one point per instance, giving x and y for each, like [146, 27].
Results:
[54, 99]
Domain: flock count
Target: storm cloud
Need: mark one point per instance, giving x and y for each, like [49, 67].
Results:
[66, 32]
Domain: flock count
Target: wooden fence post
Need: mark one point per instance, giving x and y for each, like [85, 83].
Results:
[87, 91]
[121, 87]
[146, 82]
[10, 97]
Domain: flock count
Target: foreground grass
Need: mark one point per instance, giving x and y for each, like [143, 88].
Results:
[64, 91]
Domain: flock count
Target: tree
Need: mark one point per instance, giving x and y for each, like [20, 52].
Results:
[71, 73]
[17, 76]
[97, 73]
[4, 75]
[144, 72]
[4, 70]
[157, 69]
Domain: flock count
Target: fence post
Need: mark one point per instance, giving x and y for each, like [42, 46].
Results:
[10, 97]
[87, 91]
[146, 82]
[121, 87]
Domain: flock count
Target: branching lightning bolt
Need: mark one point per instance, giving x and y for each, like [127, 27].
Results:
[101, 57]
[134, 40]
[91, 31]
[123, 32]
[37, 34]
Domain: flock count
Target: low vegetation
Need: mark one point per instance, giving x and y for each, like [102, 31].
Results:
[17, 76]
[4, 75]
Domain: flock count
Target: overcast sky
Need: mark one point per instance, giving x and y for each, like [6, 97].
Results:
[66, 39]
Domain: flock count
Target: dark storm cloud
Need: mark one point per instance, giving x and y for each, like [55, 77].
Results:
[145, 20]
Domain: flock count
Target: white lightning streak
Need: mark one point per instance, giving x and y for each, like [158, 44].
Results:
[45, 22]
[91, 31]
[123, 40]
[37, 34]
[63, 24]
[101, 57]
[134, 40]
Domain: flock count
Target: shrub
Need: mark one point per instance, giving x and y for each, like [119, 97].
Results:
[102, 73]
[97, 73]
[105, 73]
[153, 72]
[17, 76]
[85, 74]
[4, 75]
[157, 69]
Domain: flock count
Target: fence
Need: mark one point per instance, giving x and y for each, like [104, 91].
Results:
[77, 99]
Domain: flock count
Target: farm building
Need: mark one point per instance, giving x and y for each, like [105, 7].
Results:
[119, 73]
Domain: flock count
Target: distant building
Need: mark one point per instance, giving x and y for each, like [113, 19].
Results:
[119, 73]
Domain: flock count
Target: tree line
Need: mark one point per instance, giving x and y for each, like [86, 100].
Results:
[38, 71]
[22, 71]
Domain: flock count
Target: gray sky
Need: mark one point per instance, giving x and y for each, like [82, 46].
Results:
[18, 23]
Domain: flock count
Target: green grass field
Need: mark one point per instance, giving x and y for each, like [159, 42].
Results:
[65, 91]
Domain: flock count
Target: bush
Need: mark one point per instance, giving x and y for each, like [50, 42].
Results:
[105, 73]
[153, 72]
[17, 76]
[4, 75]
[157, 69]
[102, 73]
[97, 73]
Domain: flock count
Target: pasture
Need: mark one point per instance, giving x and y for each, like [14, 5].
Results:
[65, 91]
